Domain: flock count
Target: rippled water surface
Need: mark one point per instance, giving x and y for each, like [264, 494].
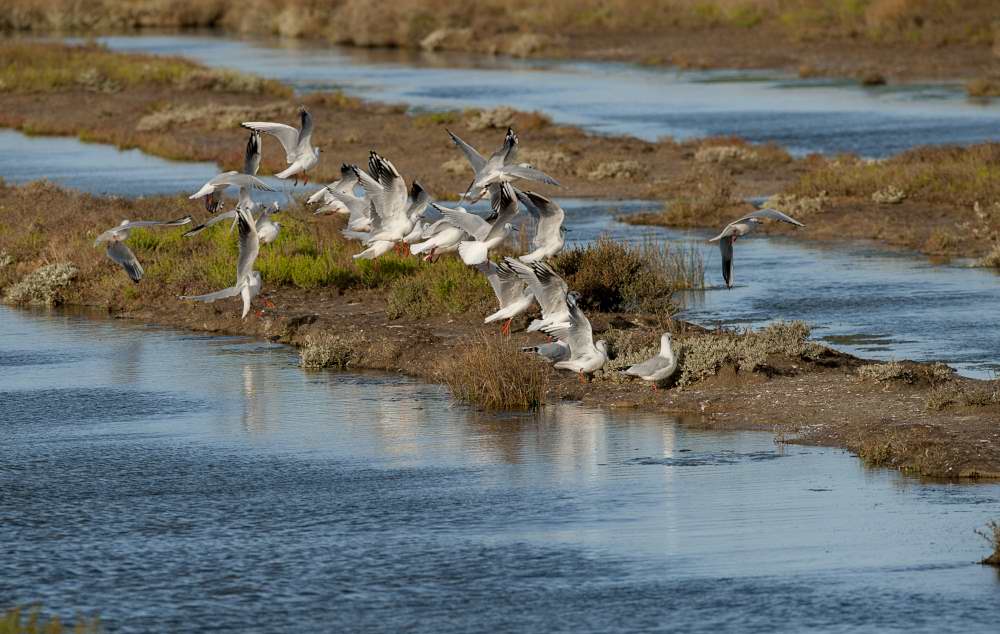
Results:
[826, 116]
[177, 482]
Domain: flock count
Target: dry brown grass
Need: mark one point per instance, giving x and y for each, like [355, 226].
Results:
[492, 372]
[964, 394]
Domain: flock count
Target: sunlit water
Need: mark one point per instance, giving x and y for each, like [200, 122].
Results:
[827, 116]
[177, 482]
[863, 298]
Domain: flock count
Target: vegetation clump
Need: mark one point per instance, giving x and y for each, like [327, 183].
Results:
[991, 259]
[992, 536]
[331, 351]
[905, 372]
[20, 621]
[964, 394]
[493, 373]
[31, 67]
[43, 286]
[703, 356]
[447, 287]
[618, 277]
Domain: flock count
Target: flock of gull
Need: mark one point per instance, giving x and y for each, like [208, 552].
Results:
[385, 215]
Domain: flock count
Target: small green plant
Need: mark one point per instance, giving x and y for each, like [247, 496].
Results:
[332, 351]
[447, 287]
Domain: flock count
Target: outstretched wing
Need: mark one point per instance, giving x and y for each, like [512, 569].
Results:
[578, 334]
[475, 159]
[232, 291]
[251, 160]
[469, 223]
[154, 223]
[550, 216]
[770, 214]
[286, 135]
[211, 221]
[306, 132]
[529, 173]
[506, 153]
[122, 255]
[249, 245]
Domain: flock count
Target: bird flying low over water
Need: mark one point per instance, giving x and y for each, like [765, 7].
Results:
[660, 367]
[500, 167]
[248, 281]
[299, 151]
[121, 254]
[741, 227]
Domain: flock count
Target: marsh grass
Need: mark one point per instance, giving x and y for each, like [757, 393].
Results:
[492, 372]
[31, 67]
[620, 277]
[933, 374]
[953, 176]
[446, 287]
[31, 621]
[991, 533]
[991, 259]
[964, 394]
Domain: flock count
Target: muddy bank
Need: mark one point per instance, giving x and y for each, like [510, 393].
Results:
[872, 41]
[400, 314]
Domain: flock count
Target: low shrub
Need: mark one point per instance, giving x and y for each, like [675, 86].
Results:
[445, 287]
[492, 372]
[43, 286]
[992, 536]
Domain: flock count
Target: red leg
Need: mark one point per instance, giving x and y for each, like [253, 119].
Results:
[505, 329]
[305, 178]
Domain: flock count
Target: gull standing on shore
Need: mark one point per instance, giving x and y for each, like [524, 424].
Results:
[299, 151]
[659, 368]
[500, 167]
[585, 356]
[248, 281]
[549, 232]
[511, 292]
[121, 254]
[741, 227]
[485, 235]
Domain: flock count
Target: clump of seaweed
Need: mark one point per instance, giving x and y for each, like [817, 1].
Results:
[492, 372]
[43, 286]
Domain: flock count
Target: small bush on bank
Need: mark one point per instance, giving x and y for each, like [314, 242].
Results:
[43, 286]
[492, 372]
[446, 287]
[992, 535]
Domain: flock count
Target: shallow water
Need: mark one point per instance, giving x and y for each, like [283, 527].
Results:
[827, 116]
[179, 482]
[862, 298]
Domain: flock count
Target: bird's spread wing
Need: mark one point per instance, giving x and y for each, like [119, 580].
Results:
[548, 288]
[249, 245]
[469, 223]
[286, 135]
[726, 248]
[132, 224]
[578, 334]
[506, 153]
[306, 132]
[529, 173]
[394, 199]
[771, 214]
[503, 201]
[475, 159]
[232, 291]
[211, 221]
[419, 199]
[550, 216]
[505, 282]
[121, 254]
[251, 160]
